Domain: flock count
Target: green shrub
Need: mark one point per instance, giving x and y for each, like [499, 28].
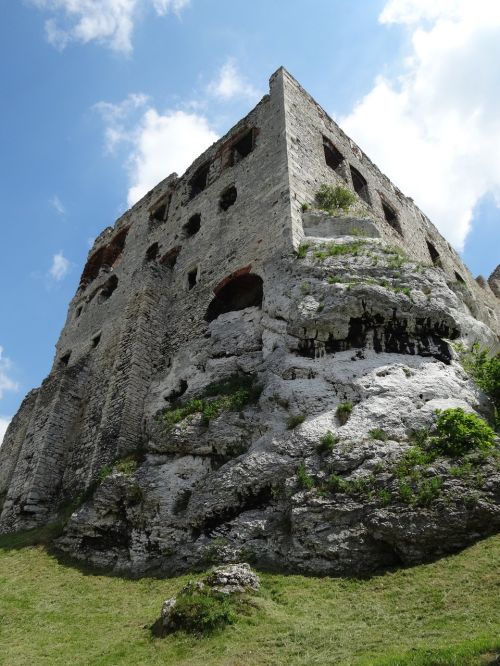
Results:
[378, 433]
[338, 249]
[127, 465]
[305, 480]
[405, 492]
[343, 411]
[305, 288]
[358, 486]
[384, 496]
[428, 491]
[202, 612]
[483, 368]
[305, 206]
[302, 250]
[233, 394]
[334, 199]
[295, 420]
[104, 472]
[459, 432]
[327, 442]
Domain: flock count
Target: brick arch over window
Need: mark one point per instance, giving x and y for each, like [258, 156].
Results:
[238, 291]
[104, 256]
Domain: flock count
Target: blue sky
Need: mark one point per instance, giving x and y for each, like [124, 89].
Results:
[103, 98]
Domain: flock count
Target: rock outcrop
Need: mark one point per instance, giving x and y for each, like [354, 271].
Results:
[351, 325]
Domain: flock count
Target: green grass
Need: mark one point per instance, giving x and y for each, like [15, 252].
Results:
[440, 614]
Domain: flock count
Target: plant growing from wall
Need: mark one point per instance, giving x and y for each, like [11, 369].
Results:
[334, 199]
[484, 369]
[343, 412]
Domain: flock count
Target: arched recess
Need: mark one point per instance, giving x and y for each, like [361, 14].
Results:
[236, 293]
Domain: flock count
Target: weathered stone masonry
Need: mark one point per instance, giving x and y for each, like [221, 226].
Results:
[193, 248]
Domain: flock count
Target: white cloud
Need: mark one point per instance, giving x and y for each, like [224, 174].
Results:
[230, 83]
[432, 129]
[4, 424]
[157, 143]
[109, 22]
[60, 266]
[57, 204]
[6, 382]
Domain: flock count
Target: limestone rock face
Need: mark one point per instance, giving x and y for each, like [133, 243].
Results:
[230, 486]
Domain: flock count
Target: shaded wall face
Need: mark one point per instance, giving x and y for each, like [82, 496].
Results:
[319, 152]
[145, 292]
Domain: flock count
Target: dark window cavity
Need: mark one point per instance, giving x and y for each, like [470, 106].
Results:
[104, 256]
[192, 277]
[459, 278]
[152, 252]
[169, 259]
[333, 157]
[192, 226]
[436, 259]
[199, 181]
[391, 217]
[228, 197]
[360, 185]
[243, 147]
[158, 213]
[65, 358]
[109, 286]
[238, 293]
[78, 311]
[96, 340]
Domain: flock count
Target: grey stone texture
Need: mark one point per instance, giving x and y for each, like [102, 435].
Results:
[170, 302]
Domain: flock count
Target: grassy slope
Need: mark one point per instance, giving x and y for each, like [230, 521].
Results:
[447, 612]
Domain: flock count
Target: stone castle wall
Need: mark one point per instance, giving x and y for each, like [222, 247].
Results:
[144, 292]
[149, 281]
[309, 128]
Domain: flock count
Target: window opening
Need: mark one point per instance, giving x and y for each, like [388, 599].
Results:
[192, 226]
[152, 252]
[96, 340]
[108, 288]
[243, 147]
[333, 157]
[433, 253]
[360, 185]
[391, 217]
[78, 311]
[240, 292]
[199, 181]
[192, 277]
[228, 197]
[65, 358]
[169, 259]
[459, 278]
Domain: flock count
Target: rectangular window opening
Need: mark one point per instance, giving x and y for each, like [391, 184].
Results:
[391, 217]
[333, 157]
[199, 181]
[65, 358]
[243, 146]
[360, 185]
[96, 340]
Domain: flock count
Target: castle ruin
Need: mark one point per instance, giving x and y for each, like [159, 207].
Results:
[200, 281]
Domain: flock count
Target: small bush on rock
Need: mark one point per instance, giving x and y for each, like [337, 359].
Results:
[305, 480]
[202, 611]
[334, 199]
[344, 411]
[378, 433]
[484, 370]
[295, 420]
[327, 442]
[459, 432]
